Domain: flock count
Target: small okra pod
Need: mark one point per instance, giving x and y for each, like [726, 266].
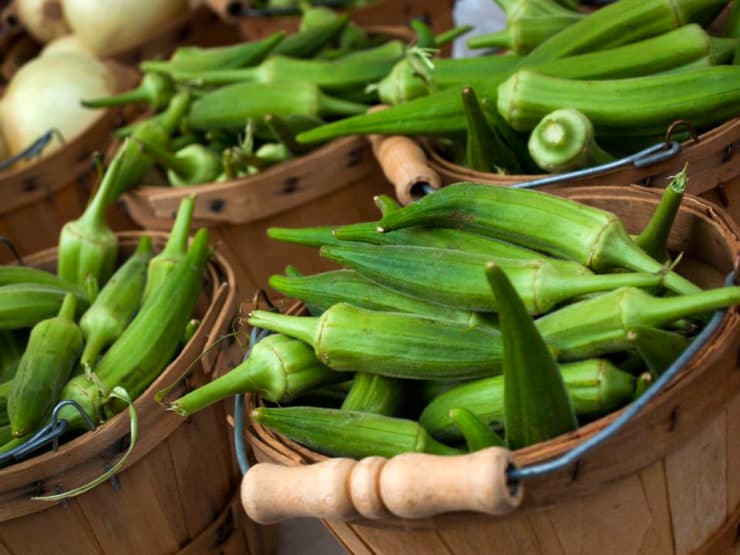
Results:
[279, 368]
[25, 305]
[347, 286]
[350, 434]
[537, 406]
[189, 332]
[375, 394]
[658, 348]
[47, 363]
[156, 89]
[602, 324]
[191, 165]
[174, 251]
[477, 434]
[116, 304]
[596, 387]
[534, 219]
[392, 343]
[458, 279]
[654, 238]
[5, 388]
[306, 43]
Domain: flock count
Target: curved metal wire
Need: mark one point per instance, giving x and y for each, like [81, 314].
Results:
[34, 149]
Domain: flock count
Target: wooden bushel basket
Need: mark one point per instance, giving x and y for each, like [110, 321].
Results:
[175, 494]
[437, 13]
[326, 185]
[713, 167]
[667, 483]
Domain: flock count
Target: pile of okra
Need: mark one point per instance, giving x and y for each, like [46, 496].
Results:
[96, 332]
[476, 316]
[229, 112]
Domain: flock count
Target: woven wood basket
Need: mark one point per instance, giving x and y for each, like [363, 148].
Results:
[176, 491]
[713, 159]
[665, 484]
[437, 13]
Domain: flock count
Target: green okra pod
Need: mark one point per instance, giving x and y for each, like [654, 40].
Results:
[658, 348]
[195, 58]
[458, 279]
[486, 150]
[24, 305]
[11, 349]
[654, 238]
[191, 165]
[230, 106]
[537, 406]
[596, 387]
[602, 324]
[115, 305]
[46, 365]
[558, 226]
[155, 89]
[478, 435]
[310, 41]
[375, 394]
[174, 252]
[350, 434]
[279, 369]
[324, 290]
[28, 274]
[392, 343]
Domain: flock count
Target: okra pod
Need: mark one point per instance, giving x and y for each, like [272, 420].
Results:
[27, 274]
[279, 369]
[558, 226]
[5, 388]
[477, 434]
[602, 324]
[654, 238]
[11, 349]
[307, 43]
[596, 387]
[191, 165]
[195, 58]
[350, 434]
[374, 394]
[658, 348]
[459, 278]
[392, 343]
[24, 305]
[229, 107]
[46, 365]
[156, 89]
[115, 305]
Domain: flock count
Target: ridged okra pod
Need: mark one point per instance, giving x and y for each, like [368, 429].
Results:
[478, 435]
[537, 406]
[150, 340]
[307, 43]
[602, 324]
[195, 58]
[558, 226]
[324, 290]
[636, 106]
[350, 434]
[230, 106]
[25, 305]
[174, 252]
[458, 279]
[28, 275]
[392, 343]
[596, 387]
[375, 394]
[279, 369]
[46, 365]
[115, 305]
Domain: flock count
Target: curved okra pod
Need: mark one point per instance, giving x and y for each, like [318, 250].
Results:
[279, 369]
[46, 365]
[24, 305]
[306, 43]
[375, 394]
[555, 225]
[392, 343]
[156, 89]
[596, 387]
[459, 278]
[28, 274]
[537, 406]
[195, 58]
[191, 165]
[477, 433]
[115, 305]
[654, 238]
[350, 434]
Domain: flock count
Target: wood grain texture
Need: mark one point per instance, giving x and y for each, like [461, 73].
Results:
[654, 488]
[733, 453]
[696, 477]
[350, 539]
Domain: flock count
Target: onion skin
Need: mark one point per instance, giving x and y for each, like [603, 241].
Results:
[69, 44]
[43, 19]
[108, 28]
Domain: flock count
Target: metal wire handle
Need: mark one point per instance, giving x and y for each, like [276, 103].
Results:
[34, 149]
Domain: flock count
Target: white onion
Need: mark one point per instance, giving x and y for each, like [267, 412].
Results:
[46, 92]
[70, 44]
[108, 28]
[43, 19]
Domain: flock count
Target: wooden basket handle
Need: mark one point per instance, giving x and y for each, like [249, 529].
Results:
[404, 164]
[412, 485]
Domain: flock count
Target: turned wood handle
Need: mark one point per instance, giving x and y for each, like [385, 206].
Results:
[412, 485]
[404, 164]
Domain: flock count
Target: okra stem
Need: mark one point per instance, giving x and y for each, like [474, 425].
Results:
[304, 328]
[308, 236]
[654, 238]
[155, 89]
